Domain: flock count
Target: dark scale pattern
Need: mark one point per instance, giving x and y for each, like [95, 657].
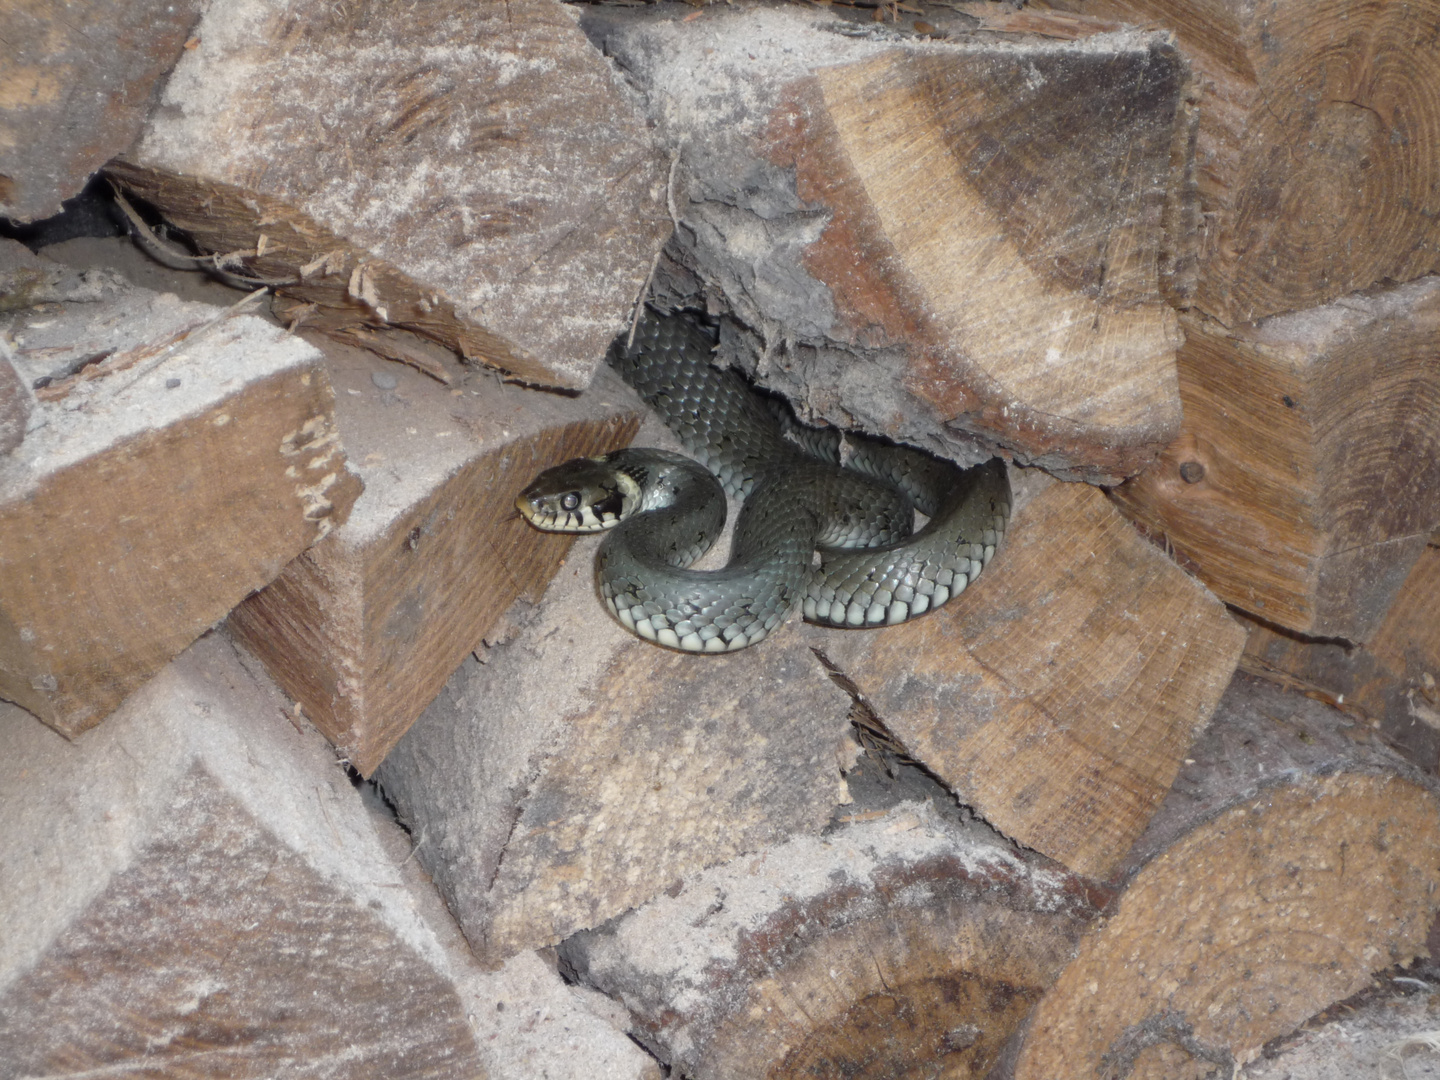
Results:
[872, 573]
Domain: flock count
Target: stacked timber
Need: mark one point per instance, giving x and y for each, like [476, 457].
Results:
[1302, 487]
[259, 557]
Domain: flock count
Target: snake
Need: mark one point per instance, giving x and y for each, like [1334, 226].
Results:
[835, 538]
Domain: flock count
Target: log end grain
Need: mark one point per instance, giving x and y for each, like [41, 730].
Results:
[1059, 694]
[1291, 860]
[365, 628]
[497, 193]
[186, 455]
[1305, 480]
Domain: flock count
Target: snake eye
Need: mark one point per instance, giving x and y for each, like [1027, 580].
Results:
[570, 500]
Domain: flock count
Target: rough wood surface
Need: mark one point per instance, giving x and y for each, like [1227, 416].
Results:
[1306, 477]
[196, 890]
[902, 947]
[1318, 151]
[929, 240]
[75, 88]
[15, 406]
[1385, 1032]
[365, 627]
[1058, 695]
[1291, 860]
[579, 771]
[178, 458]
[1391, 682]
[473, 172]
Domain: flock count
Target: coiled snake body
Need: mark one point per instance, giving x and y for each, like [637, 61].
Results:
[666, 511]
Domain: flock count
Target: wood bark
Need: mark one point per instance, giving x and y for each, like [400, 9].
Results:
[1291, 860]
[1318, 151]
[472, 172]
[195, 890]
[1306, 477]
[579, 770]
[78, 82]
[902, 947]
[364, 628]
[1389, 682]
[1383, 1032]
[931, 241]
[180, 456]
[1058, 695]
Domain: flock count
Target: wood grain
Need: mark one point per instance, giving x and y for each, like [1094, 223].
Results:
[133, 521]
[1306, 478]
[1058, 695]
[940, 242]
[497, 193]
[1290, 861]
[364, 629]
[1316, 154]
[903, 947]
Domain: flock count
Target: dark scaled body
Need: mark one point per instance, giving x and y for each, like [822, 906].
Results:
[872, 571]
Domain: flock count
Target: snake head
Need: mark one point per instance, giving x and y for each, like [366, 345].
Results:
[580, 496]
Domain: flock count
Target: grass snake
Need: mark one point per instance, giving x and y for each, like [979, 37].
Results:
[837, 539]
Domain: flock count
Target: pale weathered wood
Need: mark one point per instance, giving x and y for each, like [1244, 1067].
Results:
[1318, 152]
[929, 240]
[365, 627]
[1306, 477]
[579, 770]
[904, 946]
[1058, 695]
[75, 88]
[15, 406]
[179, 457]
[1291, 860]
[196, 890]
[470, 171]
[1391, 682]
[1385, 1032]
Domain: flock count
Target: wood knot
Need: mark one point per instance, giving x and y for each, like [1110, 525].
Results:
[1192, 472]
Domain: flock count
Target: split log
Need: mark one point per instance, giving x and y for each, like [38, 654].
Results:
[1291, 860]
[1318, 150]
[579, 770]
[364, 628]
[1306, 477]
[531, 1023]
[1058, 695]
[76, 88]
[179, 456]
[929, 240]
[901, 947]
[196, 889]
[472, 172]
[1389, 682]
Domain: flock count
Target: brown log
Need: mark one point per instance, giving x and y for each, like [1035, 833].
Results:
[930, 241]
[1306, 477]
[902, 947]
[1318, 151]
[180, 456]
[1389, 682]
[1291, 860]
[498, 193]
[1059, 694]
[195, 890]
[579, 770]
[365, 627]
[76, 87]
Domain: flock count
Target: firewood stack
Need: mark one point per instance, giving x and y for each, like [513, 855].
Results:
[263, 593]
